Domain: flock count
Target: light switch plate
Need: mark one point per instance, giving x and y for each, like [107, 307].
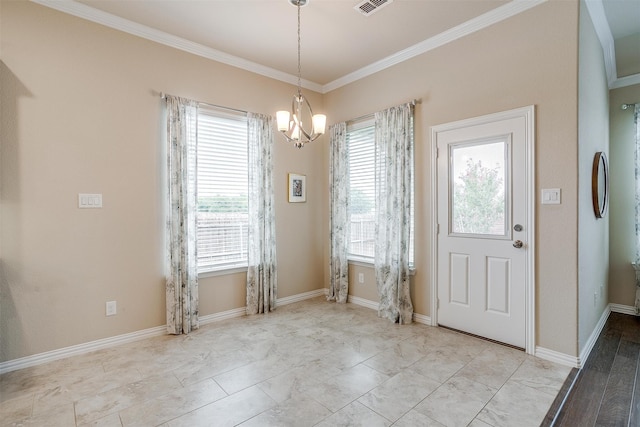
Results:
[89, 201]
[550, 196]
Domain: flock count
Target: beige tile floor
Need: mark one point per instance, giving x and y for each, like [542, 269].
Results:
[311, 363]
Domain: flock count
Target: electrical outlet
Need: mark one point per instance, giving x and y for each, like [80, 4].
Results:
[111, 308]
[595, 298]
[360, 277]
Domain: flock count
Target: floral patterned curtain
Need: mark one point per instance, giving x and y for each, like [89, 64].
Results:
[394, 169]
[339, 219]
[261, 274]
[182, 272]
[636, 120]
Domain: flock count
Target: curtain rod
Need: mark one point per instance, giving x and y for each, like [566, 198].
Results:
[412, 102]
[164, 96]
[625, 106]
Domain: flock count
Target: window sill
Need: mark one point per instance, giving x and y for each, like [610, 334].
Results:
[222, 272]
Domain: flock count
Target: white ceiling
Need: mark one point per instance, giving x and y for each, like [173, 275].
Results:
[623, 17]
[336, 39]
[339, 44]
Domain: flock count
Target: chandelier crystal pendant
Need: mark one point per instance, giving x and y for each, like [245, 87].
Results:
[292, 124]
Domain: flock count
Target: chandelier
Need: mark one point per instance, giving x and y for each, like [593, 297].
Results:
[292, 124]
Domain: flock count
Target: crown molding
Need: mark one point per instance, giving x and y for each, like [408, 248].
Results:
[603, 31]
[601, 25]
[83, 11]
[476, 24]
[633, 79]
[103, 18]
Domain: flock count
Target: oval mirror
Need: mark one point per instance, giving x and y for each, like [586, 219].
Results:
[600, 184]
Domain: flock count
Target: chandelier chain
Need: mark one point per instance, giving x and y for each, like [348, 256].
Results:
[291, 123]
[299, 67]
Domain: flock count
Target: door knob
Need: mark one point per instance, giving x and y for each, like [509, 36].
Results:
[517, 244]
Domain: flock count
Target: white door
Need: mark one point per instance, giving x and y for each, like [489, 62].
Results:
[483, 230]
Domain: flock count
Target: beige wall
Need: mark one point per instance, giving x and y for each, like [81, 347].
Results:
[528, 59]
[622, 289]
[593, 136]
[81, 113]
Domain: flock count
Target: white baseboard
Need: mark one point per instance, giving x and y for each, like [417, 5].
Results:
[624, 309]
[557, 357]
[223, 315]
[541, 352]
[300, 297]
[578, 362]
[421, 318]
[363, 302]
[75, 350]
[242, 311]
[50, 356]
[418, 318]
[588, 346]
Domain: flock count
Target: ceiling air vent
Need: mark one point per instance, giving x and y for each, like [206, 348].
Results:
[369, 7]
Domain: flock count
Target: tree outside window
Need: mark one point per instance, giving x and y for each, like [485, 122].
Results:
[478, 201]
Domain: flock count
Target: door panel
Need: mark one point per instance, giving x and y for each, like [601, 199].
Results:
[459, 279]
[498, 284]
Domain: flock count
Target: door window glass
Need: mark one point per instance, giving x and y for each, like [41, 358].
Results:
[478, 188]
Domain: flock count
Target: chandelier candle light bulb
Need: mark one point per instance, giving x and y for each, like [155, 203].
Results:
[291, 123]
[319, 123]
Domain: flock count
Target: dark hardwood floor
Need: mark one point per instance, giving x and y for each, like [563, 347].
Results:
[606, 391]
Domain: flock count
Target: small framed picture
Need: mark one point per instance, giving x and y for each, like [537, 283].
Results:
[297, 188]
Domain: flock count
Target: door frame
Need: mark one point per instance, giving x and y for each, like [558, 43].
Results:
[528, 114]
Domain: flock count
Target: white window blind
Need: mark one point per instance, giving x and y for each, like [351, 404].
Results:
[222, 189]
[362, 191]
